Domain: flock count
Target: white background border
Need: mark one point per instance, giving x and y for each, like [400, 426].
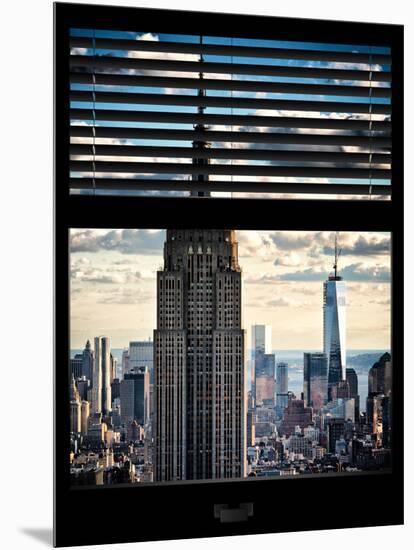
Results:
[26, 304]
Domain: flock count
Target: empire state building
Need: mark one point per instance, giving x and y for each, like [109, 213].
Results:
[200, 417]
[199, 358]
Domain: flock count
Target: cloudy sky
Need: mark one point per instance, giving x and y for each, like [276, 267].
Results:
[113, 285]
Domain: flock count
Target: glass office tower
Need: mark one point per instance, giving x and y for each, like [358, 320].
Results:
[101, 390]
[282, 381]
[315, 380]
[334, 329]
[261, 346]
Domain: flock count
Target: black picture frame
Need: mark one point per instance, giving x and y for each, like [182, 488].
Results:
[186, 510]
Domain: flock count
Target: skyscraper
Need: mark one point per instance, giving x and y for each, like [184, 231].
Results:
[335, 429]
[75, 417]
[127, 398]
[250, 430]
[261, 346]
[200, 427]
[83, 386]
[334, 326]
[352, 379]
[113, 368]
[379, 384]
[282, 381]
[379, 376]
[315, 380]
[141, 354]
[76, 365]
[87, 361]
[265, 381]
[125, 361]
[134, 394]
[75, 408]
[101, 390]
[115, 389]
[84, 417]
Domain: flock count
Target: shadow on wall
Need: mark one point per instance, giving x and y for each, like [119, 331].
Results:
[43, 535]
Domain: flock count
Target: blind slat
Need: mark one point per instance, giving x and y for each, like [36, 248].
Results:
[228, 169]
[233, 153]
[230, 120]
[228, 102]
[128, 64]
[157, 113]
[234, 137]
[237, 51]
[128, 184]
[229, 85]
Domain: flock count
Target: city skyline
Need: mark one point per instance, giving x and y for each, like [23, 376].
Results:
[113, 289]
[185, 411]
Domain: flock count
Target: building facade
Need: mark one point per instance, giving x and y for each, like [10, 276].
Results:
[295, 414]
[101, 389]
[134, 395]
[282, 387]
[265, 381]
[199, 386]
[315, 380]
[141, 354]
[76, 364]
[261, 346]
[87, 361]
[334, 330]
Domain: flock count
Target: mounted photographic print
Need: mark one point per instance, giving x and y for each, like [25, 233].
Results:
[228, 272]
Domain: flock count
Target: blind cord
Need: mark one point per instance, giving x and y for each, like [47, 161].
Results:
[370, 123]
[231, 111]
[94, 114]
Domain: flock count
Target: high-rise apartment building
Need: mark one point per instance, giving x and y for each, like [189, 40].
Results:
[200, 426]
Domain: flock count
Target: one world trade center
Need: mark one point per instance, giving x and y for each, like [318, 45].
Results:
[334, 327]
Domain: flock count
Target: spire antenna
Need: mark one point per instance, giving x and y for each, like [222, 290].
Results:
[337, 254]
